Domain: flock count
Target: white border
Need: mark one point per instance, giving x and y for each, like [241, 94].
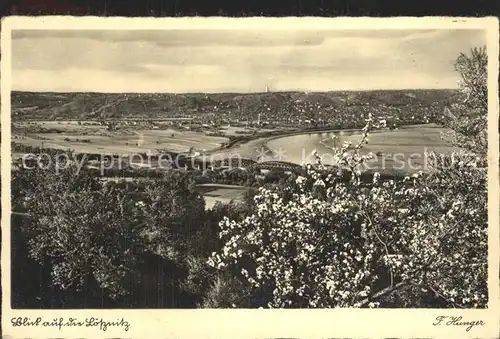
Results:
[259, 323]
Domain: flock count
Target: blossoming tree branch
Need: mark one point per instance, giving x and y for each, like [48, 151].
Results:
[329, 240]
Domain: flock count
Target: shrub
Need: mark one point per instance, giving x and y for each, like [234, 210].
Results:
[88, 234]
[226, 291]
[416, 242]
[337, 244]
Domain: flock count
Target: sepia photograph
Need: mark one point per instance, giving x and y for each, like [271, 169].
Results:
[255, 167]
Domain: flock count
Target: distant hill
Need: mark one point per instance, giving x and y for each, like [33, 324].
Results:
[31, 105]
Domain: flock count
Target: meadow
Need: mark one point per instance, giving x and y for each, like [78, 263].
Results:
[97, 139]
[207, 123]
[217, 193]
[211, 128]
[247, 237]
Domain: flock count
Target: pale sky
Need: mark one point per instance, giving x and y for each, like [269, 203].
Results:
[180, 61]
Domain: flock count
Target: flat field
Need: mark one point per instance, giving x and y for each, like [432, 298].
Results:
[96, 139]
[214, 193]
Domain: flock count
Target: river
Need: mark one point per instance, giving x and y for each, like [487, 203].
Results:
[402, 150]
[399, 151]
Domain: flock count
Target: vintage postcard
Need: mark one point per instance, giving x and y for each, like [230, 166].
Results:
[250, 177]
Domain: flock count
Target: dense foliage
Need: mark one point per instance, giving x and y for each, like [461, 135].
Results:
[322, 237]
[327, 243]
[113, 239]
